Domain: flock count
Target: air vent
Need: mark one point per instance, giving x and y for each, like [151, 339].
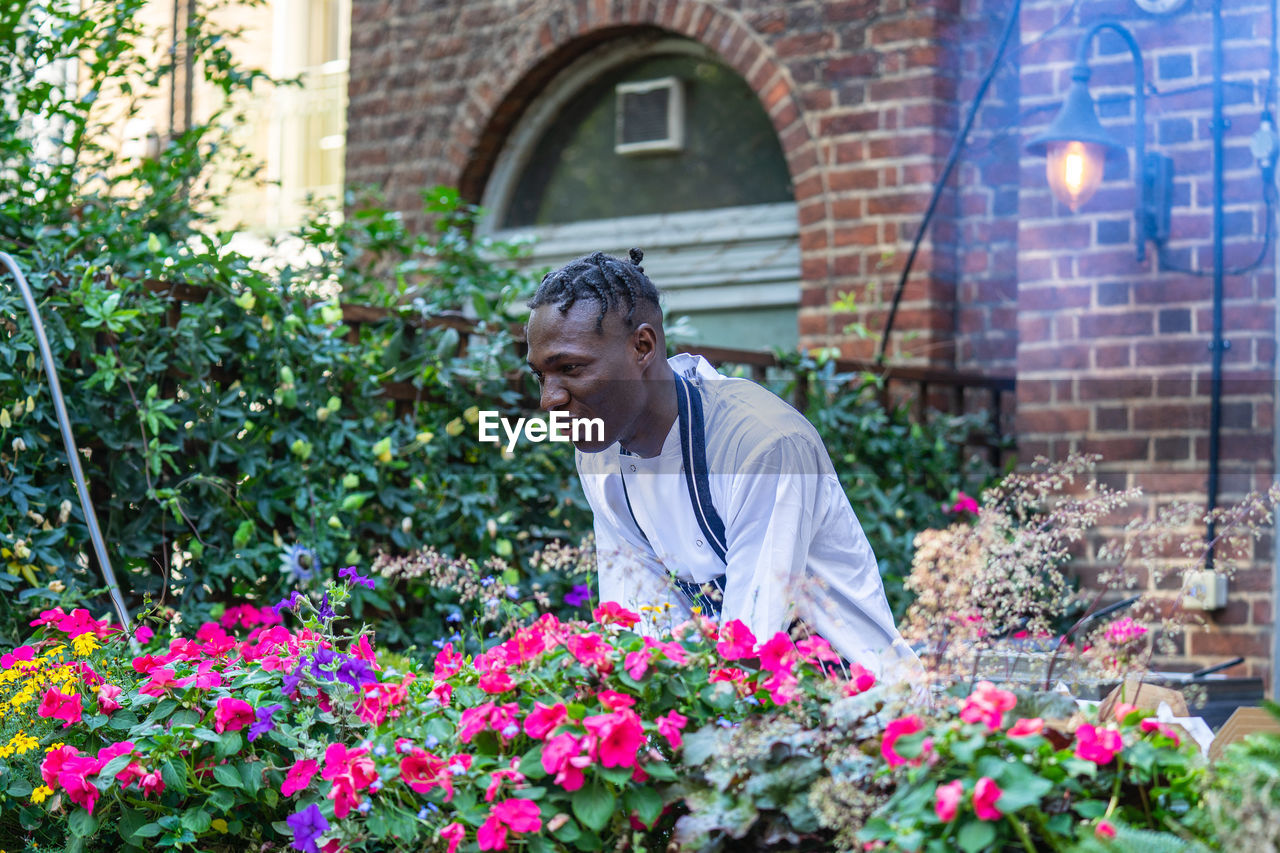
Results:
[650, 116]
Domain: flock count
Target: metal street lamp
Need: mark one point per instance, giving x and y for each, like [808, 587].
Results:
[1076, 144]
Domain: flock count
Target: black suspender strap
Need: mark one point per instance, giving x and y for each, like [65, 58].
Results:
[693, 448]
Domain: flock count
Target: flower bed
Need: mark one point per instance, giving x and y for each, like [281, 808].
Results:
[273, 727]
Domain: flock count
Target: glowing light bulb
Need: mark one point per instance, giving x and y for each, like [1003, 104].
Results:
[1074, 170]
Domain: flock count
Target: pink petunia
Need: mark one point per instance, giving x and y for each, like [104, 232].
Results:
[591, 650]
[52, 764]
[454, 834]
[736, 641]
[299, 776]
[613, 613]
[543, 719]
[860, 680]
[162, 678]
[778, 654]
[74, 779]
[619, 736]
[1150, 724]
[670, 726]
[447, 663]
[987, 705]
[108, 694]
[637, 663]
[516, 816]
[560, 755]
[613, 700]
[908, 725]
[421, 770]
[59, 706]
[947, 800]
[151, 783]
[985, 794]
[1097, 745]
[1105, 829]
[231, 715]
[1026, 727]
[496, 681]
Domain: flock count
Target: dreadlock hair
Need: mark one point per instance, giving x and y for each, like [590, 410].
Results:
[613, 283]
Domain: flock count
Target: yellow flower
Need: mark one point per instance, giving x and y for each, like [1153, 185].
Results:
[39, 795]
[454, 428]
[84, 644]
[52, 747]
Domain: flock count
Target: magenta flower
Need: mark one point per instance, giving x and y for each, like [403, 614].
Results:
[985, 794]
[1026, 727]
[619, 737]
[670, 726]
[1097, 745]
[908, 725]
[299, 776]
[59, 706]
[736, 641]
[231, 714]
[542, 720]
[517, 816]
[454, 834]
[947, 800]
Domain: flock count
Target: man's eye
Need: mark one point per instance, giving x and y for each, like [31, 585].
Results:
[570, 368]
[537, 374]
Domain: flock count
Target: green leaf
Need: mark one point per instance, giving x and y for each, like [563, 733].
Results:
[646, 802]
[19, 787]
[228, 744]
[147, 830]
[616, 775]
[196, 820]
[82, 824]
[976, 835]
[175, 777]
[228, 775]
[593, 805]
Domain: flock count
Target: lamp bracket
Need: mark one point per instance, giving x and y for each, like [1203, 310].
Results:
[1157, 199]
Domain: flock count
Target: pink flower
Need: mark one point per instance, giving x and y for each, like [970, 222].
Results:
[518, 816]
[299, 776]
[231, 715]
[908, 725]
[985, 794]
[143, 634]
[161, 680]
[860, 680]
[783, 686]
[497, 777]
[618, 737]
[59, 706]
[496, 681]
[613, 700]
[562, 756]
[115, 750]
[736, 641]
[52, 764]
[454, 834]
[1151, 725]
[670, 726]
[107, 695]
[964, 504]
[613, 613]
[151, 783]
[1123, 630]
[947, 800]
[543, 719]
[637, 663]
[447, 663]
[987, 704]
[421, 770]
[1026, 727]
[1105, 829]
[74, 778]
[778, 654]
[1097, 745]
[591, 650]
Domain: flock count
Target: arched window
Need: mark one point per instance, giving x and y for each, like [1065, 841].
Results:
[660, 145]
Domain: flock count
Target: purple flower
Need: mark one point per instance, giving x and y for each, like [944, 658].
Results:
[355, 577]
[289, 684]
[322, 658]
[578, 596]
[307, 825]
[355, 672]
[263, 724]
[325, 610]
[290, 603]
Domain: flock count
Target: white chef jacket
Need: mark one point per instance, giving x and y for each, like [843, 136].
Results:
[794, 546]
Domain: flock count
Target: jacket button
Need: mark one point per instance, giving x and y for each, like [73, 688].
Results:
[698, 542]
[633, 469]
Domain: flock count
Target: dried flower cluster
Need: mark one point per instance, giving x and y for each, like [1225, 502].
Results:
[997, 587]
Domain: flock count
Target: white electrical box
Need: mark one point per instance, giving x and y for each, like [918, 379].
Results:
[1204, 591]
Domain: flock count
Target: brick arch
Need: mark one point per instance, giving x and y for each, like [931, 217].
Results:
[493, 109]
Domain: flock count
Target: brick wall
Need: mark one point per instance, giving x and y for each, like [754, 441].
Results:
[1113, 354]
[862, 94]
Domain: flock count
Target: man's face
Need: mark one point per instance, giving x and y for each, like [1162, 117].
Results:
[586, 373]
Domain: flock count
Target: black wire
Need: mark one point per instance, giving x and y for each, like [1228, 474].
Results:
[940, 185]
[1268, 197]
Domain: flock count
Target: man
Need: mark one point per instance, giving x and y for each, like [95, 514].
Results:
[707, 491]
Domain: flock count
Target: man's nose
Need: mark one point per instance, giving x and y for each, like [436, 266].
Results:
[554, 394]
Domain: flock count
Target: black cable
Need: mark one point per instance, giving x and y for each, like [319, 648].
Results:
[952, 158]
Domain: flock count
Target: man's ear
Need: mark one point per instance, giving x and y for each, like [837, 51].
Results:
[644, 344]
